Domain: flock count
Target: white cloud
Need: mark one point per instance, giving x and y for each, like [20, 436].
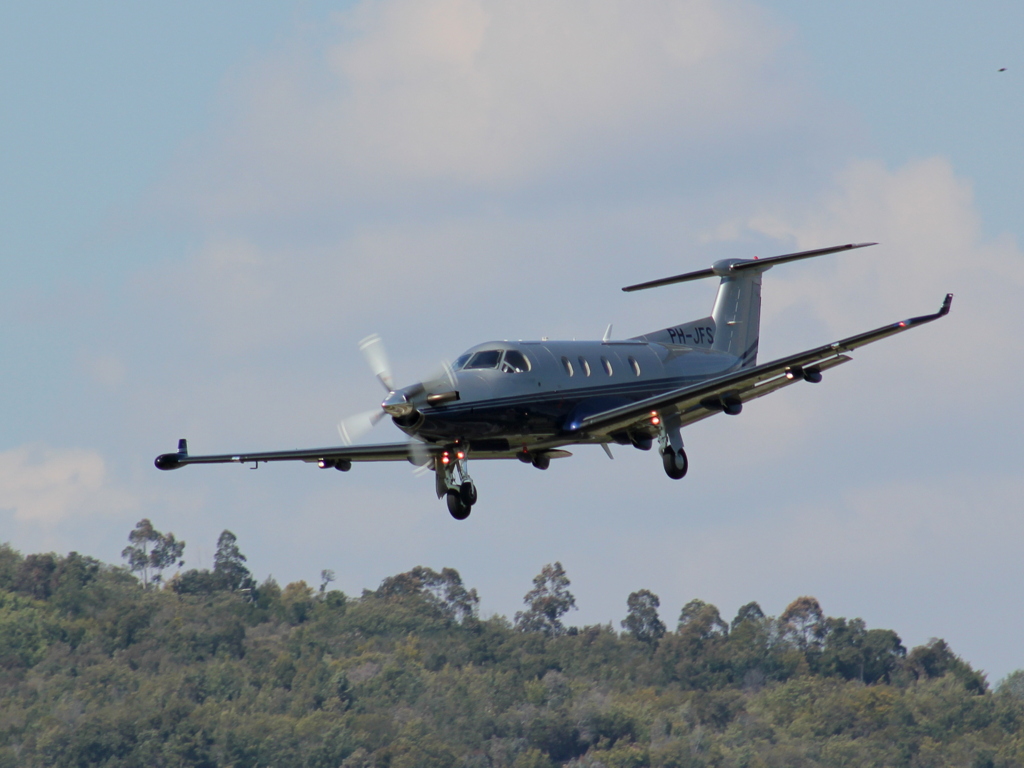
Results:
[45, 485]
[931, 242]
[923, 215]
[414, 97]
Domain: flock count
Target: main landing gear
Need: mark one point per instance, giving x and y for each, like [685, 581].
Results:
[675, 463]
[452, 480]
[673, 457]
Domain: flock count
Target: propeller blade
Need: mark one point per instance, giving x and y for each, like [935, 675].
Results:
[420, 457]
[449, 374]
[354, 427]
[373, 350]
[441, 380]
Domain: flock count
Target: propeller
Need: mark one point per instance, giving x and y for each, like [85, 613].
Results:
[419, 455]
[351, 428]
[438, 389]
[373, 350]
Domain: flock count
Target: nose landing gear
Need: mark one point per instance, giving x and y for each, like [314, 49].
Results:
[453, 481]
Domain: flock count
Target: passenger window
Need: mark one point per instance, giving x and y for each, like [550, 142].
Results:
[567, 365]
[486, 359]
[635, 365]
[607, 365]
[515, 362]
[584, 365]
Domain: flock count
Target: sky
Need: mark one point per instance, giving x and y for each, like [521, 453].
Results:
[205, 207]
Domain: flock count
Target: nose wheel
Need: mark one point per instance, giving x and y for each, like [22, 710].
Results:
[461, 501]
[453, 482]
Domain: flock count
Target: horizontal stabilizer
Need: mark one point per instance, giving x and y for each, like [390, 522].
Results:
[735, 266]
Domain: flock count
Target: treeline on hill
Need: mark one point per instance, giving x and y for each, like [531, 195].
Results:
[99, 667]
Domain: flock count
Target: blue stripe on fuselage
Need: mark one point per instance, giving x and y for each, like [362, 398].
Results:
[537, 413]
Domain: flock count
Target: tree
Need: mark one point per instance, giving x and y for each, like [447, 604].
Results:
[803, 623]
[855, 652]
[326, 577]
[702, 621]
[1012, 685]
[228, 564]
[749, 612]
[35, 576]
[642, 620]
[443, 590]
[149, 550]
[936, 659]
[548, 601]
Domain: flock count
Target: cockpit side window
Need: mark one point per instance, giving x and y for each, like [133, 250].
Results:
[515, 362]
[460, 362]
[488, 358]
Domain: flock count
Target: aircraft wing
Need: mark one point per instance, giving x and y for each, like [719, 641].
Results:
[325, 457]
[689, 404]
[339, 457]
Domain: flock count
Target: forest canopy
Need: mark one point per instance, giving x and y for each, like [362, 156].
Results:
[126, 666]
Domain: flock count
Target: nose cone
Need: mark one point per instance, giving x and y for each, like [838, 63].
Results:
[397, 404]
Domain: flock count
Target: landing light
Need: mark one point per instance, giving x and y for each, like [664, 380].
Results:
[655, 418]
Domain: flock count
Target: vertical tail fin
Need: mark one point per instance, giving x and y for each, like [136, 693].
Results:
[737, 312]
[737, 315]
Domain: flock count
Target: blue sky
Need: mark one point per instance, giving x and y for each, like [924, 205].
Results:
[204, 209]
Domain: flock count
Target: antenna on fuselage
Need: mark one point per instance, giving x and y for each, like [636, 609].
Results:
[728, 267]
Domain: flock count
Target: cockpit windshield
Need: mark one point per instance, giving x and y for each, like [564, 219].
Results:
[512, 361]
[487, 358]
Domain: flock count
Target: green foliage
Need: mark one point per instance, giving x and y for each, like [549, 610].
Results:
[149, 550]
[443, 591]
[229, 564]
[548, 601]
[95, 669]
[642, 620]
[1012, 685]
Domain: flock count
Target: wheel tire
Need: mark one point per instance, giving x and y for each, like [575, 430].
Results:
[675, 464]
[456, 507]
[467, 492]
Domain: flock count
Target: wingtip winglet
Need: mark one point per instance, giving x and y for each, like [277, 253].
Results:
[946, 304]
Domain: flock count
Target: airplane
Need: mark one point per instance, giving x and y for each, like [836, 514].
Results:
[530, 400]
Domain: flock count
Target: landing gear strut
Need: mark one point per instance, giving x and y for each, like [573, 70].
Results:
[452, 480]
[670, 443]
